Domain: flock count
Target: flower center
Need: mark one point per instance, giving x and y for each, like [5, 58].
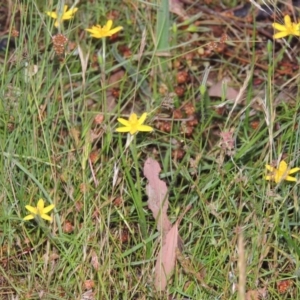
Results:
[103, 29]
[134, 125]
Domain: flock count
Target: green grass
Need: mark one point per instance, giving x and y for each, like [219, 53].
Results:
[102, 229]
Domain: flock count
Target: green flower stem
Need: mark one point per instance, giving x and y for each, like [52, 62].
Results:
[136, 191]
[102, 62]
[138, 197]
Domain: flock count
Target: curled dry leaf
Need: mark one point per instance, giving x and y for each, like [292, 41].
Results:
[84, 59]
[156, 191]
[89, 284]
[166, 259]
[88, 295]
[95, 260]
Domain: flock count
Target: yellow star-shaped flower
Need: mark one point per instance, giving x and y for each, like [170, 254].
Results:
[282, 173]
[289, 28]
[40, 210]
[66, 15]
[101, 32]
[133, 124]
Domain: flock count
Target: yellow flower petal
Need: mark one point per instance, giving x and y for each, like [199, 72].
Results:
[142, 118]
[124, 122]
[48, 208]
[290, 178]
[123, 129]
[279, 27]
[46, 217]
[29, 217]
[278, 177]
[66, 15]
[133, 131]
[115, 30]
[280, 35]
[145, 128]
[40, 205]
[270, 168]
[283, 166]
[287, 21]
[31, 209]
[65, 9]
[70, 13]
[133, 118]
[52, 14]
[108, 25]
[91, 29]
[294, 170]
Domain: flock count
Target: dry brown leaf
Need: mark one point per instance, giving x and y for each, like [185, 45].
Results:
[165, 262]
[258, 294]
[157, 190]
[113, 82]
[218, 89]
[88, 295]
[75, 133]
[84, 60]
[95, 260]
[252, 295]
[115, 79]
[176, 7]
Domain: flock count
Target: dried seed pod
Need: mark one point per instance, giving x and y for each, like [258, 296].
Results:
[220, 110]
[164, 126]
[189, 108]
[213, 45]
[125, 50]
[227, 142]
[94, 155]
[182, 77]
[124, 236]
[187, 130]
[176, 64]
[118, 201]
[14, 33]
[59, 42]
[99, 118]
[178, 154]
[78, 206]
[179, 91]
[223, 38]
[284, 285]
[193, 122]
[68, 227]
[168, 101]
[255, 124]
[167, 127]
[177, 114]
[115, 92]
